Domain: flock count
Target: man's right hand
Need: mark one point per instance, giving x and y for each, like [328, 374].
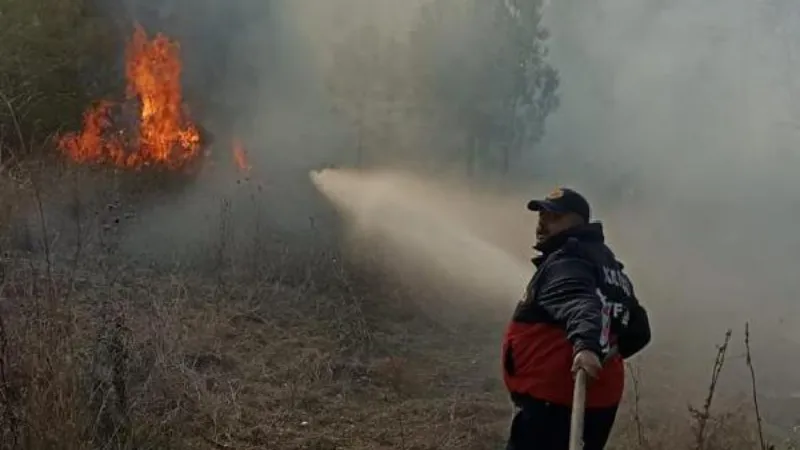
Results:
[587, 361]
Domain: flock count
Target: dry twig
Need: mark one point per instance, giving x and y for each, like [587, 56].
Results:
[637, 415]
[749, 359]
[702, 417]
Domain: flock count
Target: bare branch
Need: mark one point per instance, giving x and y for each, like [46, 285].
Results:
[702, 416]
[761, 440]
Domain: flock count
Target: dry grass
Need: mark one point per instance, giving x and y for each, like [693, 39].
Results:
[160, 362]
[257, 345]
[110, 357]
[118, 357]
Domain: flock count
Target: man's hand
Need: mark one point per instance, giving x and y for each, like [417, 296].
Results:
[587, 361]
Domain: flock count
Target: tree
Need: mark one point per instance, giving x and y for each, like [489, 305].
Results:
[365, 82]
[52, 57]
[484, 61]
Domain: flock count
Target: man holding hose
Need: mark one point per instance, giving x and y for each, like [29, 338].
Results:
[579, 312]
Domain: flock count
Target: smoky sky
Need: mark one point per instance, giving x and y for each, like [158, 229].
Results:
[692, 109]
[691, 104]
[680, 94]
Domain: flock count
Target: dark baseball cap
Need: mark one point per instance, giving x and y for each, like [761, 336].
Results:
[563, 200]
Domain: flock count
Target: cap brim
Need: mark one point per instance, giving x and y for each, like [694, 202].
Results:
[544, 205]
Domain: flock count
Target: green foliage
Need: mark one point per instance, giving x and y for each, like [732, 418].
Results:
[48, 52]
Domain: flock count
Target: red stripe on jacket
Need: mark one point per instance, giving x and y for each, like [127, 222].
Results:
[539, 357]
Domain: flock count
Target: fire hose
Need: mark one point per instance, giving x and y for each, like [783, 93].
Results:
[579, 405]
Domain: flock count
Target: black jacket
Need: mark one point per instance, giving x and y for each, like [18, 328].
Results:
[578, 299]
[578, 275]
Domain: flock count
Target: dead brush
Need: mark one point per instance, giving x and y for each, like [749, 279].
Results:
[224, 245]
[10, 431]
[703, 416]
[729, 429]
[43, 382]
[169, 360]
[109, 378]
[641, 434]
[65, 363]
[754, 390]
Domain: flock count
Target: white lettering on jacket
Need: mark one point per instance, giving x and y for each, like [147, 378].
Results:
[615, 309]
[615, 277]
[605, 331]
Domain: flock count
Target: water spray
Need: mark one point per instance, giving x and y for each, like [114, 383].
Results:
[416, 220]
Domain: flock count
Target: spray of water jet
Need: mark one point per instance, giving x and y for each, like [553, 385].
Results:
[428, 225]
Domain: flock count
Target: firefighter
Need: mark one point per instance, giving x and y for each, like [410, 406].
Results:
[579, 312]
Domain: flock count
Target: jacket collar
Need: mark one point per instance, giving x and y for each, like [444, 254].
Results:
[592, 232]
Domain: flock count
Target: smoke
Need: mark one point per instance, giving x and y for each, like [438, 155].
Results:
[677, 118]
[669, 87]
[258, 72]
[690, 108]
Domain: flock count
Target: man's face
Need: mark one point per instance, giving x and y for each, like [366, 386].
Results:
[552, 223]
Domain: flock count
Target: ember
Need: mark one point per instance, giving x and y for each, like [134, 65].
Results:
[240, 157]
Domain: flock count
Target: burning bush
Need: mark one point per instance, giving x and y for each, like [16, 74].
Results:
[165, 136]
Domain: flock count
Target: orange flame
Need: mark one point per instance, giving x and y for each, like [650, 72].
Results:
[165, 135]
[240, 157]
